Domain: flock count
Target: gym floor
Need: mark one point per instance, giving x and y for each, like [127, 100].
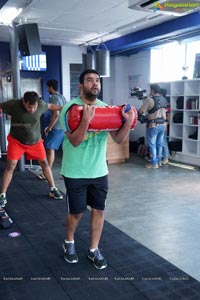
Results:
[160, 208]
[150, 238]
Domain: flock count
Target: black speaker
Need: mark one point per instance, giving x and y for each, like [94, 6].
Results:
[29, 40]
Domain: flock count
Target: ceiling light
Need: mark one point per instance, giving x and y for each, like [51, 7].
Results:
[8, 14]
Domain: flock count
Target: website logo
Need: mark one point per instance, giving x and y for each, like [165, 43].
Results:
[177, 6]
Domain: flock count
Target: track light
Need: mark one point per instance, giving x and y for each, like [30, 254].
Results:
[8, 14]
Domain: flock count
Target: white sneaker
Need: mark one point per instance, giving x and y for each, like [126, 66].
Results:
[151, 166]
[165, 161]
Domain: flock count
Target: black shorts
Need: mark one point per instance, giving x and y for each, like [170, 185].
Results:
[83, 192]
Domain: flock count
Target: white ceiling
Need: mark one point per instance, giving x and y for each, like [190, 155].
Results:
[82, 22]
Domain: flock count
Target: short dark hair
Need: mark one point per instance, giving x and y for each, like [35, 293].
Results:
[31, 97]
[53, 83]
[163, 92]
[87, 71]
[155, 87]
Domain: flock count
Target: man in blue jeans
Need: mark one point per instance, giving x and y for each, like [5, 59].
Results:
[154, 107]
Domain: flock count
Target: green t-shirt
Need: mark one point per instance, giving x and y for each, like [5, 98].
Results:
[25, 127]
[88, 160]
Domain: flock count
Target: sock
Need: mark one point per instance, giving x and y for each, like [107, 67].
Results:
[93, 249]
[3, 194]
[69, 242]
[53, 188]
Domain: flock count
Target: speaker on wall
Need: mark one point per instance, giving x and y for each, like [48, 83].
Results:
[29, 40]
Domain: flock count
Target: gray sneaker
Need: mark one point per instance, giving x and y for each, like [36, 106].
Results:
[70, 253]
[56, 194]
[3, 201]
[99, 261]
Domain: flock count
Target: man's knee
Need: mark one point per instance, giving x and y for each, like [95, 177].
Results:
[97, 212]
[75, 216]
[11, 165]
[43, 163]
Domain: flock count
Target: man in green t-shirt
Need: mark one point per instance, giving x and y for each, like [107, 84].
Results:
[25, 138]
[84, 168]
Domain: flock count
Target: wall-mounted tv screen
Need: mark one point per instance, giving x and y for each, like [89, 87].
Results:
[37, 62]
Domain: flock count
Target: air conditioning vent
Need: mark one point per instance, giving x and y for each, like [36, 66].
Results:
[178, 8]
[148, 3]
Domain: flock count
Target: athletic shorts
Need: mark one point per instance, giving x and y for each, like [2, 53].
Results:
[16, 149]
[54, 139]
[83, 192]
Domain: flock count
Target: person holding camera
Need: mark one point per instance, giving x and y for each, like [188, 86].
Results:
[154, 108]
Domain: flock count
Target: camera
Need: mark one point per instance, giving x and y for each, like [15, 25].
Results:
[142, 118]
[138, 92]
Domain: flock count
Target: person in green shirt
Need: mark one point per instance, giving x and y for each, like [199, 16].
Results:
[25, 138]
[84, 167]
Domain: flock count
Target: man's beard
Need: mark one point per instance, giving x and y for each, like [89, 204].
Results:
[90, 96]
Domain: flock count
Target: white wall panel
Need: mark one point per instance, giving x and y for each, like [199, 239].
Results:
[70, 55]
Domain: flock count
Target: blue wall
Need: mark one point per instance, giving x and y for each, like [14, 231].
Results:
[4, 56]
[176, 29]
[53, 66]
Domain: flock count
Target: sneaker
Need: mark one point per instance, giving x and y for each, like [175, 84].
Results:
[160, 163]
[99, 261]
[3, 201]
[70, 253]
[151, 166]
[56, 194]
[5, 220]
[165, 161]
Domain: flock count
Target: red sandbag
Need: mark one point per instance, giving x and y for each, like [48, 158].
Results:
[107, 118]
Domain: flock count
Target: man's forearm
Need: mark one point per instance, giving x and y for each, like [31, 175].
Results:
[121, 135]
[53, 121]
[78, 135]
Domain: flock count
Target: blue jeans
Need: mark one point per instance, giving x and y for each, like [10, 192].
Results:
[155, 137]
[165, 151]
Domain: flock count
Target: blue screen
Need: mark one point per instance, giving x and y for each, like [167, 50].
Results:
[37, 62]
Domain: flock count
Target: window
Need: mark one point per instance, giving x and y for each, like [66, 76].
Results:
[167, 62]
[192, 49]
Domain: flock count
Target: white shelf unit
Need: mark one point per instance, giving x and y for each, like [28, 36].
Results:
[189, 130]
